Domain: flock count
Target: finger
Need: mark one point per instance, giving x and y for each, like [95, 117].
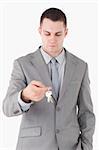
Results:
[47, 89]
[38, 84]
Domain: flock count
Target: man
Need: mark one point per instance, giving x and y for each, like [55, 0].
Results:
[50, 88]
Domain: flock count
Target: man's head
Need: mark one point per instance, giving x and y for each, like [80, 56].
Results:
[53, 29]
[54, 14]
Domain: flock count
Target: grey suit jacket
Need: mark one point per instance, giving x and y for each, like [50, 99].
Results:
[67, 125]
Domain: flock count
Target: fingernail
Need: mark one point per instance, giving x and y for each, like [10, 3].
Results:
[49, 88]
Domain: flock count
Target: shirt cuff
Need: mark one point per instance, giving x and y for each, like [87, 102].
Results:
[24, 106]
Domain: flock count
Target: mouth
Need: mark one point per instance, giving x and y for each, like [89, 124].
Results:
[52, 45]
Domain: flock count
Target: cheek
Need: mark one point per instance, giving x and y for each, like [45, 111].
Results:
[60, 41]
[44, 39]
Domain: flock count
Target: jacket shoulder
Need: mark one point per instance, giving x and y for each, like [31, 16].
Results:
[77, 59]
[25, 57]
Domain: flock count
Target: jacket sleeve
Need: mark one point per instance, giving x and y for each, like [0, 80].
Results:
[11, 106]
[86, 116]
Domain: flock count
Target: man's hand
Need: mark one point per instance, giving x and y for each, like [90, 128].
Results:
[35, 91]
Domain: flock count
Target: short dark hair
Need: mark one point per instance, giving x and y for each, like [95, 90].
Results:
[54, 14]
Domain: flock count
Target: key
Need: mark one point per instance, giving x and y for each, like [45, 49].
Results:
[49, 96]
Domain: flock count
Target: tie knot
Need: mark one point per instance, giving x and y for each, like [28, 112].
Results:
[54, 61]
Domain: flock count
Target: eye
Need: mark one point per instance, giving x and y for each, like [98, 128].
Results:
[58, 34]
[47, 34]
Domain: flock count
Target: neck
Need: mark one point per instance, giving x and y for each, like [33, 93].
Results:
[53, 53]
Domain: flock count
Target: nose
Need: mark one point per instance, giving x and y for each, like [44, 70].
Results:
[52, 39]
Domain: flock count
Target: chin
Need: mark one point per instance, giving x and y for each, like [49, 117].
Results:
[52, 48]
[53, 51]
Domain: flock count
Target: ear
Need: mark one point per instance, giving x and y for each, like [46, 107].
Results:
[39, 30]
[66, 31]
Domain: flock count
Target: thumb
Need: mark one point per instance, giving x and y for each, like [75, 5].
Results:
[48, 88]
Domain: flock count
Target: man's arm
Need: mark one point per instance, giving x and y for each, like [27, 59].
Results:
[21, 95]
[86, 116]
[11, 106]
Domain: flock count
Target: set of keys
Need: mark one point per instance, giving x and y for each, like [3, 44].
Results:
[49, 96]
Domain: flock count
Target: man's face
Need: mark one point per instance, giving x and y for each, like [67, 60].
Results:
[52, 35]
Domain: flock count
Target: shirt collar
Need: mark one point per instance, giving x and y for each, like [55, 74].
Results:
[60, 58]
[46, 57]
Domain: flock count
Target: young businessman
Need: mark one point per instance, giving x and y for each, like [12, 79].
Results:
[63, 119]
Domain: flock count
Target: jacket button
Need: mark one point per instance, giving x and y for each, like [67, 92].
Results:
[57, 130]
[57, 108]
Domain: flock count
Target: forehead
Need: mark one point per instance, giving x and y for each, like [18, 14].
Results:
[50, 25]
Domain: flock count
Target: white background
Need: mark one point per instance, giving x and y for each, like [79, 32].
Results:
[19, 22]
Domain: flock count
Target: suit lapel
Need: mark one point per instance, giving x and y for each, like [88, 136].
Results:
[41, 67]
[68, 73]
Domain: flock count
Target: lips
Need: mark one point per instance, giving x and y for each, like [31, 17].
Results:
[52, 45]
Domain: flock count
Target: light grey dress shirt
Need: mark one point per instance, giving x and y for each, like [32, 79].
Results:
[61, 65]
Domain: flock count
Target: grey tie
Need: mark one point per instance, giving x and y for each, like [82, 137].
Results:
[55, 76]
